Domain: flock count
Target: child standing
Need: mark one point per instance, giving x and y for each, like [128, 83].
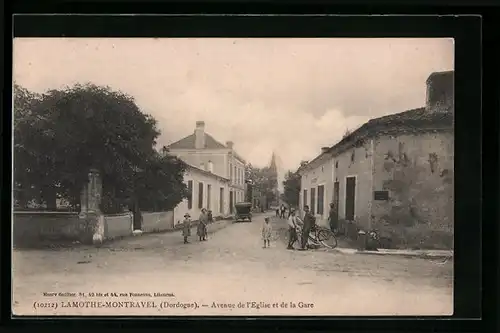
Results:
[186, 227]
[266, 232]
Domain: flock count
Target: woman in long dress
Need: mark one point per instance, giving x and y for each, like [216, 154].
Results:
[202, 225]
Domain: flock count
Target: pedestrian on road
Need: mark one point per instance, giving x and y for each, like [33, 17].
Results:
[277, 212]
[267, 231]
[292, 230]
[186, 227]
[309, 221]
[202, 225]
[333, 218]
[283, 210]
[210, 217]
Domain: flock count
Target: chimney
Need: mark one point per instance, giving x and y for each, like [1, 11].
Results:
[324, 149]
[440, 92]
[229, 144]
[199, 135]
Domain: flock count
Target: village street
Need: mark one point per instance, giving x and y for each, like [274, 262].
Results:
[229, 268]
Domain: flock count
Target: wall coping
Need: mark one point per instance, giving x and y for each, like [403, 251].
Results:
[45, 213]
[117, 214]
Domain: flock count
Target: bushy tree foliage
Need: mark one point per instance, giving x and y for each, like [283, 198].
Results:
[62, 134]
[292, 189]
[263, 180]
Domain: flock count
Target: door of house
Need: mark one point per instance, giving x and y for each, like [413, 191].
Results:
[350, 198]
[335, 200]
[209, 197]
[231, 202]
[221, 201]
[313, 200]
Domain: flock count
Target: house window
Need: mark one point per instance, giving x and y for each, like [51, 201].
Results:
[190, 194]
[209, 194]
[313, 200]
[305, 199]
[200, 195]
[321, 198]
[231, 171]
[221, 200]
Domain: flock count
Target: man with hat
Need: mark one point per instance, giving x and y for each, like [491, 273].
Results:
[309, 224]
[186, 227]
[292, 229]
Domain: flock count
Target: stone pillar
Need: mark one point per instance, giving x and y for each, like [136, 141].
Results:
[90, 213]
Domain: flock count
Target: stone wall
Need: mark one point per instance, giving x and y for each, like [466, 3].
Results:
[118, 225]
[417, 172]
[33, 229]
[156, 222]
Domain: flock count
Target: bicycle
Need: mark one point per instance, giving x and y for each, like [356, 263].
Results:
[320, 236]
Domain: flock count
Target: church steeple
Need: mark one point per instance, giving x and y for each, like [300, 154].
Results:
[273, 167]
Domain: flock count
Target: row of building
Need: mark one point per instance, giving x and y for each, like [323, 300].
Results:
[215, 174]
[393, 170]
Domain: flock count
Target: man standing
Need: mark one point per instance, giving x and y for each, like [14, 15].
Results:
[283, 209]
[309, 220]
[333, 218]
[292, 230]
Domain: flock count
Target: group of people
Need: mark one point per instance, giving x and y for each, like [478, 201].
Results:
[295, 224]
[307, 225]
[201, 230]
[281, 211]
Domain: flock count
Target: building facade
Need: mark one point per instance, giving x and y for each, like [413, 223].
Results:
[394, 173]
[204, 152]
[208, 190]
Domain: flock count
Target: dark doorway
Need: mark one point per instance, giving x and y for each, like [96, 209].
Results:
[231, 201]
[335, 201]
[221, 201]
[313, 200]
[136, 216]
[350, 198]
[321, 199]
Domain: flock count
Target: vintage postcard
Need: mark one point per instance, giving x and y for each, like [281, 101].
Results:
[217, 176]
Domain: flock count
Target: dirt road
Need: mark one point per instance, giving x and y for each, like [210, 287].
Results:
[230, 274]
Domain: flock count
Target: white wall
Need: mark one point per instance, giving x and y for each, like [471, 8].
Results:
[200, 158]
[237, 175]
[322, 174]
[326, 173]
[206, 179]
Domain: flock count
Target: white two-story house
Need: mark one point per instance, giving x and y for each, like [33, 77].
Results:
[202, 151]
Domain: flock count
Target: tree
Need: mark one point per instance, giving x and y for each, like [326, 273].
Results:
[25, 174]
[291, 184]
[68, 132]
[263, 180]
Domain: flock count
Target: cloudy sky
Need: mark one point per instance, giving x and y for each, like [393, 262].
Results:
[289, 95]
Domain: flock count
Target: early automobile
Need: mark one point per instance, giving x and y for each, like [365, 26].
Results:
[243, 211]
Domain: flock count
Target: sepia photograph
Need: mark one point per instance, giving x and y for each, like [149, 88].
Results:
[233, 176]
